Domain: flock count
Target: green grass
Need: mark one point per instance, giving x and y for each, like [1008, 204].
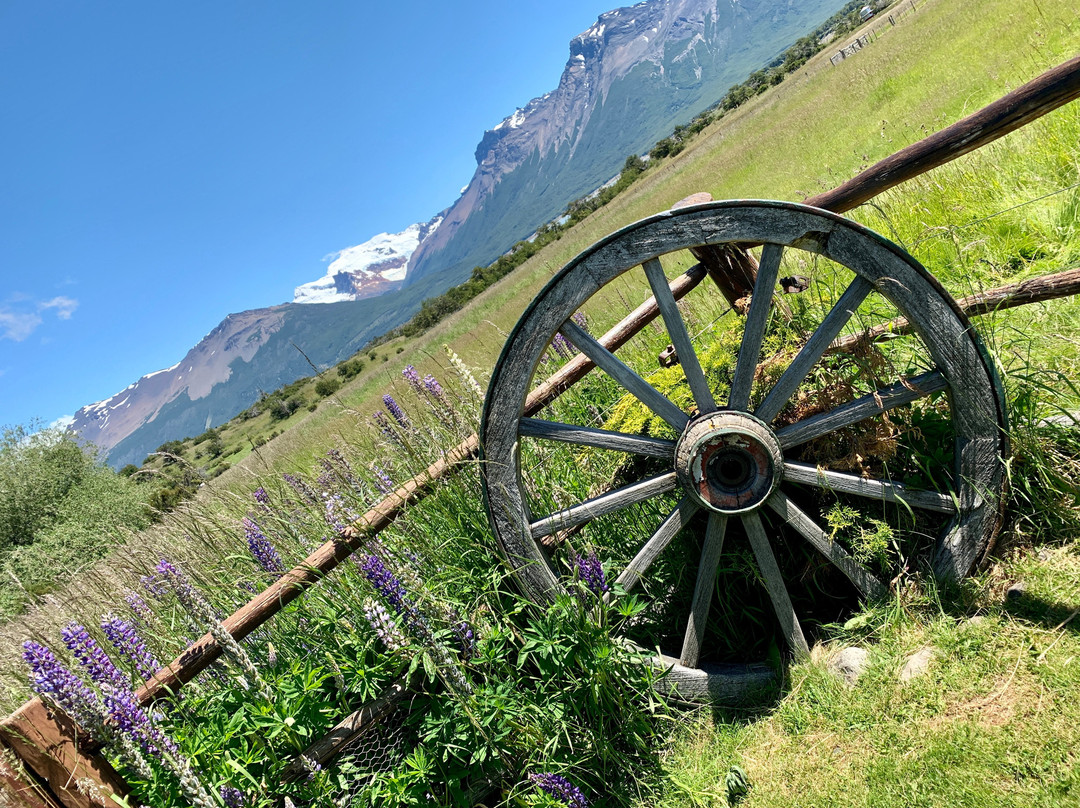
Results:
[994, 720]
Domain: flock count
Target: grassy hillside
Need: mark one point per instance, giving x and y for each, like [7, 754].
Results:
[992, 720]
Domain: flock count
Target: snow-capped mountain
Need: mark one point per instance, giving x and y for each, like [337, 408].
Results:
[373, 268]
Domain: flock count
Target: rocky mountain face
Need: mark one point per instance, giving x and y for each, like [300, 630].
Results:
[245, 355]
[237, 338]
[631, 77]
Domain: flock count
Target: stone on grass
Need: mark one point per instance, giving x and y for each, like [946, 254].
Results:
[1016, 591]
[917, 664]
[849, 664]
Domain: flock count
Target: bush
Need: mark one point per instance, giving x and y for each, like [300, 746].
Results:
[280, 409]
[327, 386]
[37, 472]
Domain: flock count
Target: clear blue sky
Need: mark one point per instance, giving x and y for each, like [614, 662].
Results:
[165, 164]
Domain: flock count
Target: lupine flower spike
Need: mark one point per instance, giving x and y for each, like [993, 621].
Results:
[92, 657]
[262, 548]
[198, 607]
[561, 789]
[412, 376]
[127, 641]
[395, 410]
[589, 570]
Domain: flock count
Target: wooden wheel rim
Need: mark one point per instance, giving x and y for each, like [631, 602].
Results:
[975, 394]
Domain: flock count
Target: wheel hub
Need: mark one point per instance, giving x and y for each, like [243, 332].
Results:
[729, 461]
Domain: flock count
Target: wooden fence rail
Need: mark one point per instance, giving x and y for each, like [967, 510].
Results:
[60, 764]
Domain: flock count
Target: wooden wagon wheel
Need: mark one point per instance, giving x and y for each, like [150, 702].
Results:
[735, 456]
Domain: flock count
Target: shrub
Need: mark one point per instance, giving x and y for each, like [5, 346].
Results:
[327, 386]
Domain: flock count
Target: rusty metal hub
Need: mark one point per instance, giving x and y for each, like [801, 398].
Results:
[729, 461]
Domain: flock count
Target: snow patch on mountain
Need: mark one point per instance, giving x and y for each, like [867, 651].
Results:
[372, 268]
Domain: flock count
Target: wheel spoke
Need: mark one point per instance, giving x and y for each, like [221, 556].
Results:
[774, 582]
[703, 589]
[676, 329]
[602, 505]
[879, 401]
[864, 581]
[872, 489]
[811, 352]
[676, 521]
[598, 438]
[754, 330]
[629, 379]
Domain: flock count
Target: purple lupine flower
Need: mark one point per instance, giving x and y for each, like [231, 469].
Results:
[127, 641]
[138, 606]
[384, 626]
[412, 377]
[561, 789]
[562, 346]
[382, 424]
[435, 390]
[93, 657]
[301, 488]
[57, 684]
[311, 766]
[589, 570]
[123, 709]
[337, 514]
[387, 583]
[339, 458]
[261, 496]
[262, 548]
[152, 584]
[579, 318]
[382, 480]
[395, 410]
[466, 639]
[325, 481]
[232, 797]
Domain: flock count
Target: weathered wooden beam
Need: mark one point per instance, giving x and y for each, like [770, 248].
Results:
[50, 745]
[1052, 89]
[20, 789]
[1033, 290]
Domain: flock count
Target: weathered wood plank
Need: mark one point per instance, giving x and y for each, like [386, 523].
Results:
[863, 487]
[676, 328]
[626, 376]
[598, 438]
[754, 328]
[19, 787]
[875, 403]
[51, 746]
[703, 589]
[669, 528]
[813, 350]
[861, 577]
[774, 583]
[604, 504]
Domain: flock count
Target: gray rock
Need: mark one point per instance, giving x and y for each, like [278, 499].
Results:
[1016, 591]
[917, 664]
[849, 664]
